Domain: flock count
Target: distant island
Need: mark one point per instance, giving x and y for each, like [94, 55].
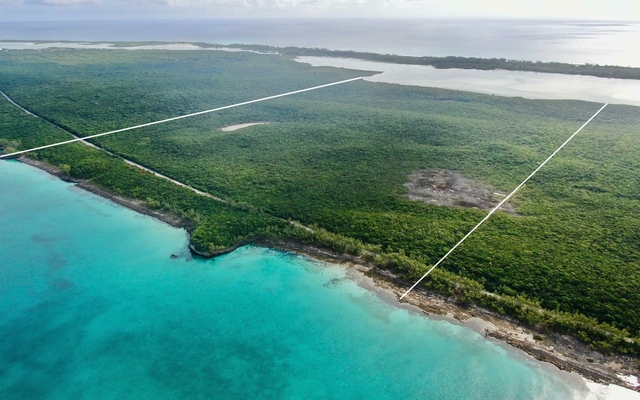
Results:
[601, 71]
[485, 64]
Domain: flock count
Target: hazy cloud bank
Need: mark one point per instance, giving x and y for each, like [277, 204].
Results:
[172, 9]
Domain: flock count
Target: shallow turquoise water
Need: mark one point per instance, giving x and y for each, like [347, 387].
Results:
[92, 307]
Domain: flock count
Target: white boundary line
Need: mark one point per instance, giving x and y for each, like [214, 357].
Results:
[177, 118]
[502, 202]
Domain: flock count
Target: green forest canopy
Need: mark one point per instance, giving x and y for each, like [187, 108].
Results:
[337, 158]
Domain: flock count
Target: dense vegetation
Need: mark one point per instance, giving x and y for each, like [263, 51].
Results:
[602, 71]
[336, 160]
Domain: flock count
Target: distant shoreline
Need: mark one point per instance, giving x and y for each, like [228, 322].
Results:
[565, 40]
[511, 83]
[564, 352]
[448, 62]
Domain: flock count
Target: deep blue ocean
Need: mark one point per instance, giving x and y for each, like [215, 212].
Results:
[93, 307]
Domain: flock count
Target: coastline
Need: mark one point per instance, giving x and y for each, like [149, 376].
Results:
[563, 351]
[135, 205]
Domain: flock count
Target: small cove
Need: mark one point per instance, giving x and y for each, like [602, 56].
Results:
[93, 307]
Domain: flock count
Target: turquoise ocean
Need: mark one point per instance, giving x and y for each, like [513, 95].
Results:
[93, 307]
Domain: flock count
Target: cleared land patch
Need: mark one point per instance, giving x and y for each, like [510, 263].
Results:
[448, 188]
[240, 126]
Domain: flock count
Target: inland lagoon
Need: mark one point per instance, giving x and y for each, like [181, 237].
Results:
[93, 306]
[530, 85]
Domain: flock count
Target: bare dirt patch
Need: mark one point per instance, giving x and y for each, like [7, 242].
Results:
[240, 126]
[447, 188]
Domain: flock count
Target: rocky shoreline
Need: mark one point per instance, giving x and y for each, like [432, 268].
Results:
[565, 352]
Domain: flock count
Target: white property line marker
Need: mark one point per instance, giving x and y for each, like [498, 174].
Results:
[502, 202]
[177, 118]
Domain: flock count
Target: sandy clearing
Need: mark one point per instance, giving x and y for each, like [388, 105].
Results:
[232, 128]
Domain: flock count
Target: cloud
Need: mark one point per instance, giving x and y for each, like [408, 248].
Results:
[63, 2]
[285, 3]
[300, 8]
[169, 9]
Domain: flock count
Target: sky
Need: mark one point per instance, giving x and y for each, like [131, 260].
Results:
[34, 10]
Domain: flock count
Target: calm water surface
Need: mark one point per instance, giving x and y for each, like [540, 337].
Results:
[92, 307]
[530, 85]
[614, 43]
